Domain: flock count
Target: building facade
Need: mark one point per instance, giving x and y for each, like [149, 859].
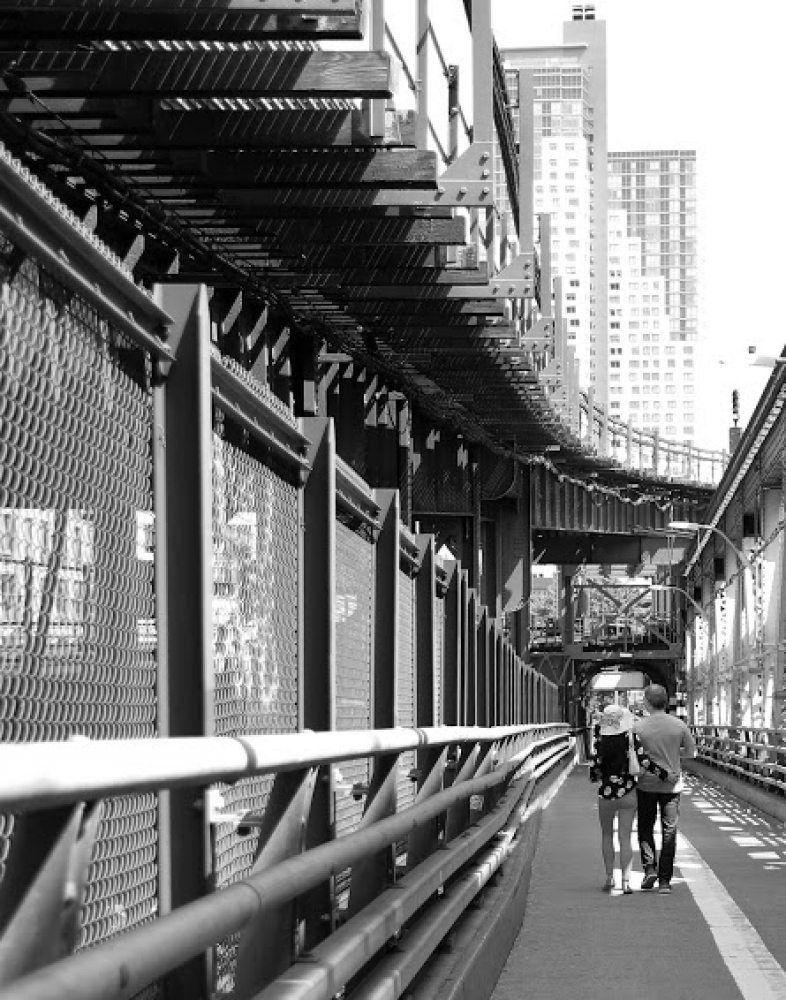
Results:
[568, 87]
[653, 289]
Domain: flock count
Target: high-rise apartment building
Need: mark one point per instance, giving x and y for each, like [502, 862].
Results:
[653, 290]
[568, 88]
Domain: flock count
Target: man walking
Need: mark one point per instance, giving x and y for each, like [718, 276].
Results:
[665, 739]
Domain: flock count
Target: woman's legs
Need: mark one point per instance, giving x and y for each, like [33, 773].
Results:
[627, 814]
[606, 812]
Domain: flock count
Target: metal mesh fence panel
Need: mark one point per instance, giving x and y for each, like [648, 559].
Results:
[439, 656]
[406, 682]
[353, 609]
[77, 619]
[255, 646]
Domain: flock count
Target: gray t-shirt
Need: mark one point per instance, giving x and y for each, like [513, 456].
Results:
[663, 737]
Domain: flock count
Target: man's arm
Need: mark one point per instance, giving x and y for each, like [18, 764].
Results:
[688, 745]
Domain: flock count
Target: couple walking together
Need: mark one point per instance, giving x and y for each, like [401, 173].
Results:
[637, 762]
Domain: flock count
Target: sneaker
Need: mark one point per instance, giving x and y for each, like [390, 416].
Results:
[649, 880]
[664, 888]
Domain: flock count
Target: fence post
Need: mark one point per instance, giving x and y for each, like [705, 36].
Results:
[451, 659]
[184, 581]
[318, 647]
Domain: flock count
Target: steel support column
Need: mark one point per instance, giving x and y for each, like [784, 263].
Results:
[184, 581]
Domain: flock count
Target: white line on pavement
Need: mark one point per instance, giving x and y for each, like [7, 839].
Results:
[756, 972]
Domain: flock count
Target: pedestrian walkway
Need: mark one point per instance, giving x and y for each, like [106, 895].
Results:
[719, 935]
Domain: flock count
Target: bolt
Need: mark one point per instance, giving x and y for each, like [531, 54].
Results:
[484, 157]
[462, 190]
[485, 173]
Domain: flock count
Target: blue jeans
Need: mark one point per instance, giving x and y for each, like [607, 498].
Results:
[669, 805]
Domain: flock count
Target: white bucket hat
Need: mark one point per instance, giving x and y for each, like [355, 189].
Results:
[615, 720]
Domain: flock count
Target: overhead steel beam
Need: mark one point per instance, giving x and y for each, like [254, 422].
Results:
[200, 74]
[131, 21]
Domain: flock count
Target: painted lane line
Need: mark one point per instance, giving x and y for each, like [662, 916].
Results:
[755, 970]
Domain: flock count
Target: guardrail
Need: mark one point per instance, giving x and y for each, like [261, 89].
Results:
[471, 781]
[756, 755]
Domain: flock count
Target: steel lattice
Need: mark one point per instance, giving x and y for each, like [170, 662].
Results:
[77, 625]
[255, 627]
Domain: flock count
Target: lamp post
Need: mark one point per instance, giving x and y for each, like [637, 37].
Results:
[680, 590]
[695, 526]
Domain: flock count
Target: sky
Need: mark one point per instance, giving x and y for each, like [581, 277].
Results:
[703, 75]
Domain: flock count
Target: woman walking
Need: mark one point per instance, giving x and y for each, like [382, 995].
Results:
[618, 758]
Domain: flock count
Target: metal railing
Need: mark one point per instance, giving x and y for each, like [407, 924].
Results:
[751, 753]
[473, 786]
[646, 451]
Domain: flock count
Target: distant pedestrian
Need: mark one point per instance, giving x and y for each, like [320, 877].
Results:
[617, 758]
[666, 739]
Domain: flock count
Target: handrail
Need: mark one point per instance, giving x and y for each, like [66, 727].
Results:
[43, 775]
[126, 964]
[763, 763]
[344, 953]
[661, 451]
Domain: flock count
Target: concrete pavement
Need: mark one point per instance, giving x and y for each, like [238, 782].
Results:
[720, 934]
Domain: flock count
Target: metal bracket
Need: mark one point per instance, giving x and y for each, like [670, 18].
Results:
[552, 374]
[517, 280]
[265, 947]
[469, 180]
[44, 887]
[539, 337]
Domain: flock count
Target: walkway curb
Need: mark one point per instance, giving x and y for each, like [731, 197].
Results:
[767, 802]
[484, 938]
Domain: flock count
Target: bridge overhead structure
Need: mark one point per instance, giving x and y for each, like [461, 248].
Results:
[734, 571]
[283, 423]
